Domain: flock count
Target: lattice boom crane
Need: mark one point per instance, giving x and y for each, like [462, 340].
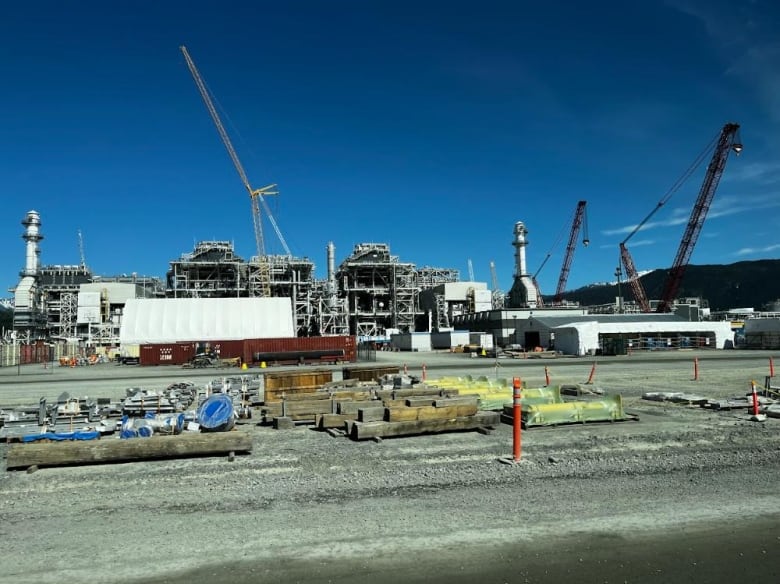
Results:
[580, 221]
[256, 195]
[728, 141]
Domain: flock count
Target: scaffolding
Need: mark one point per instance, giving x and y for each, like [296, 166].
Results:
[211, 270]
[381, 292]
[430, 277]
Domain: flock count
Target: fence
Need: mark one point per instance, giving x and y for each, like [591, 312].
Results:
[622, 345]
[12, 355]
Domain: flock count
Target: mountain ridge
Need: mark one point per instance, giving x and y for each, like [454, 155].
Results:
[746, 284]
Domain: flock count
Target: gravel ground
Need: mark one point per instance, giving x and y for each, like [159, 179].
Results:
[596, 502]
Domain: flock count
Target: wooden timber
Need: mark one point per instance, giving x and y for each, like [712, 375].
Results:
[414, 402]
[115, 449]
[429, 413]
[372, 430]
[297, 380]
[371, 414]
[369, 372]
[323, 421]
[465, 400]
[414, 392]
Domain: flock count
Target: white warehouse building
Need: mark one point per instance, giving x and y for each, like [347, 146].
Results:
[618, 334]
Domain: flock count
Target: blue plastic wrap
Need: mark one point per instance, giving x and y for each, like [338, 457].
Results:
[145, 431]
[216, 414]
[60, 436]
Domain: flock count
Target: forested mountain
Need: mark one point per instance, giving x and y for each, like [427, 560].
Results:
[751, 284]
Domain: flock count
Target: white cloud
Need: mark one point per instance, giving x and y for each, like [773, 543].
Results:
[763, 173]
[720, 207]
[756, 250]
[633, 244]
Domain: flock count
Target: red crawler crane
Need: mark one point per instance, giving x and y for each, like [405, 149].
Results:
[580, 220]
[727, 141]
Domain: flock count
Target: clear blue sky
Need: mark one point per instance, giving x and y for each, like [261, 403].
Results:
[431, 126]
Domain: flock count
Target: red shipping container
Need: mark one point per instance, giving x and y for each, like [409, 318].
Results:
[166, 354]
[301, 349]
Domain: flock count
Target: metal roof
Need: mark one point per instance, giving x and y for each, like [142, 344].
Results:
[554, 321]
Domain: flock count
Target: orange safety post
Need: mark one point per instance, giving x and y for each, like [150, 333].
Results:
[517, 418]
[425, 373]
[755, 397]
[771, 367]
[406, 369]
[696, 369]
[546, 376]
[592, 373]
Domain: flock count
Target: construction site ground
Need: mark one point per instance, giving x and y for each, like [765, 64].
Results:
[684, 494]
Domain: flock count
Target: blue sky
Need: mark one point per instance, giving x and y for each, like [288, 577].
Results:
[431, 126]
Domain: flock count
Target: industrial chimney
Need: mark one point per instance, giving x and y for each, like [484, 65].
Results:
[32, 235]
[523, 292]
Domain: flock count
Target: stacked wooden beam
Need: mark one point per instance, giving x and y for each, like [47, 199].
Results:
[420, 415]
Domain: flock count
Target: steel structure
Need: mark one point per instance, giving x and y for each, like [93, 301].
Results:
[260, 278]
[580, 221]
[430, 277]
[727, 141]
[212, 269]
[380, 290]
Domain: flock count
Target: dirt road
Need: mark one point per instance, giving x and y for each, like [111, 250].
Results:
[684, 494]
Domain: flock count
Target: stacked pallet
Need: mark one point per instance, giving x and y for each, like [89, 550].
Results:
[305, 407]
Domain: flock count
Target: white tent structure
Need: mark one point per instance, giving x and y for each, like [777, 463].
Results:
[173, 320]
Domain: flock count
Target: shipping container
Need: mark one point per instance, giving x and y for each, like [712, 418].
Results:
[449, 339]
[166, 354]
[482, 340]
[337, 349]
[37, 353]
[412, 341]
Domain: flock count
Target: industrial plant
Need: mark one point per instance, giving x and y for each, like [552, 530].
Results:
[371, 295]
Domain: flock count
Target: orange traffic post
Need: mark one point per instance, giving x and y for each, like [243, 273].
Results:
[771, 367]
[546, 376]
[517, 417]
[406, 369]
[592, 373]
[425, 373]
[696, 369]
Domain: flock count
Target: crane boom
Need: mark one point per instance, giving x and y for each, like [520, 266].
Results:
[256, 195]
[637, 289]
[727, 142]
[580, 220]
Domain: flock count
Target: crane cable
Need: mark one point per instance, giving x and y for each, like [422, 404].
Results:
[676, 186]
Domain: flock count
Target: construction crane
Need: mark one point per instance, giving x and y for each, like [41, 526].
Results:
[580, 218]
[497, 296]
[580, 222]
[727, 141]
[257, 196]
[82, 256]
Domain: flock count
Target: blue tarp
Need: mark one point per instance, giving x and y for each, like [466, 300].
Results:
[216, 414]
[60, 436]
